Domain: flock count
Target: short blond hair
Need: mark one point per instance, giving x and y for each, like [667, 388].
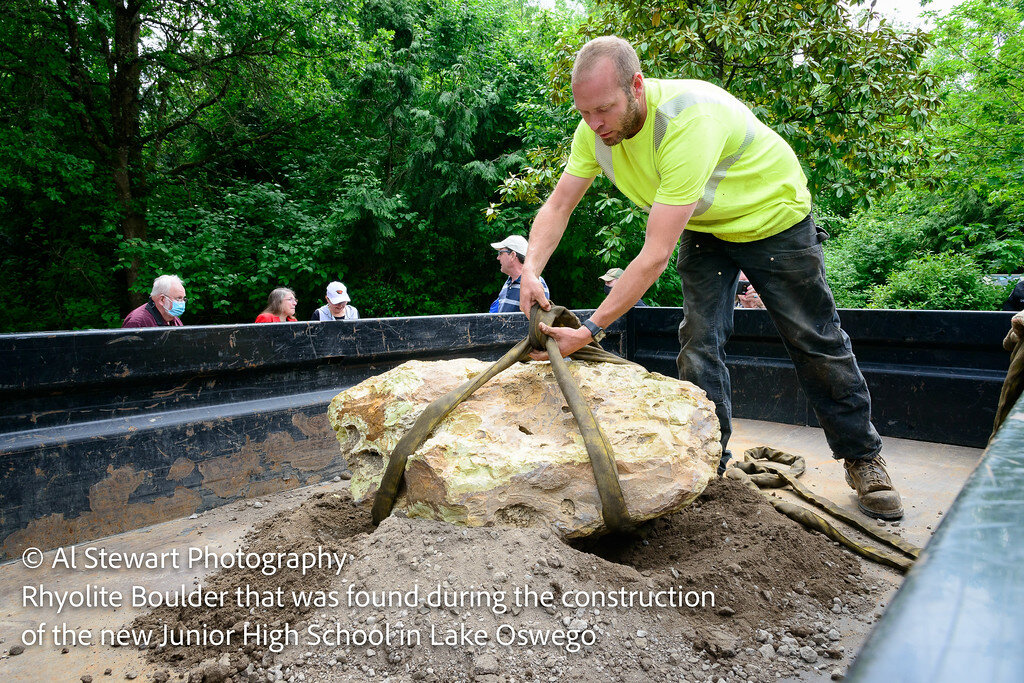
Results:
[622, 54]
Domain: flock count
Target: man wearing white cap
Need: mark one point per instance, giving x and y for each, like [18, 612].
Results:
[337, 307]
[511, 254]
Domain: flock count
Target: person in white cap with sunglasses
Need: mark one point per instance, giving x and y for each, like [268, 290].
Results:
[337, 307]
[511, 254]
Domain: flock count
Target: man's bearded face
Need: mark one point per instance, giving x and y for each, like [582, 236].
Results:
[613, 112]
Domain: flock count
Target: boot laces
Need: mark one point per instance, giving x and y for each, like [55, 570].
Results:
[871, 472]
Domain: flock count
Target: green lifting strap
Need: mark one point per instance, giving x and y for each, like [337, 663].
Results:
[616, 516]
[1013, 385]
[763, 467]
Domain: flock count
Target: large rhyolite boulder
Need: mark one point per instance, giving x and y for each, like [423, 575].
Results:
[512, 453]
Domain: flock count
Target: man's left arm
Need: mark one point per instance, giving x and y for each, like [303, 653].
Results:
[664, 226]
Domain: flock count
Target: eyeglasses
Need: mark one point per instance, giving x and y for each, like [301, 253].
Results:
[504, 251]
[178, 298]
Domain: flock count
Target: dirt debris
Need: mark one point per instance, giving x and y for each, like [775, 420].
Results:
[726, 589]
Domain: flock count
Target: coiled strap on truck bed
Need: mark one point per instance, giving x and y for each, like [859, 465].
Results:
[765, 467]
[1013, 385]
[613, 506]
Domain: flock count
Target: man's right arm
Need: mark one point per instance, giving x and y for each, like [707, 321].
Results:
[546, 233]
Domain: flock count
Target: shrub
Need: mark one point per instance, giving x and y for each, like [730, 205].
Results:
[945, 281]
[869, 248]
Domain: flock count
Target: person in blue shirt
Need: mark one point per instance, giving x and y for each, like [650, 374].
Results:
[511, 255]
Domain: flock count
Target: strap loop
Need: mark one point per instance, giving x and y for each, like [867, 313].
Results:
[602, 459]
[764, 467]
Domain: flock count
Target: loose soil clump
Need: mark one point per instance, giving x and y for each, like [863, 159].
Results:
[327, 520]
[725, 589]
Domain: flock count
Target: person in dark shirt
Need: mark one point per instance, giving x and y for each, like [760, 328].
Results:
[165, 306]
[1015, 302]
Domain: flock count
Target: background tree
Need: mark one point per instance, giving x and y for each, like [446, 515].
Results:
[140, 81]
[931, 243]
[978, 139]
[250, 145]
[847, 94]
[286, 143]
[385, 189]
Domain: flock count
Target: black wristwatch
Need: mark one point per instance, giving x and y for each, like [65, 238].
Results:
[596, 331]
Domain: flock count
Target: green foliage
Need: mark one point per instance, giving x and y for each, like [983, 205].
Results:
[424, 134]
[54, 216]
[288, 142]
[944, 281]
[105, 106]
[847, 94]
[979, 137]
[231, 254]
[978, 142]
[865, 250]
[967, 199]
[882, 251]
[965, 220]
[251, 144]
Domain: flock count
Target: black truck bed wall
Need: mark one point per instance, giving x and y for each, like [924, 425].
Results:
[934, 375]
[107, 430]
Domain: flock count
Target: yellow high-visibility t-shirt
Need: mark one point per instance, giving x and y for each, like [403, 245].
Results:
[701, 144]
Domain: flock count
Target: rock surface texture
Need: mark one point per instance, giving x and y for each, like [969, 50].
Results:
[512, 454]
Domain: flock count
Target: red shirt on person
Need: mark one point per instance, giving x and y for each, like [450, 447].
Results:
[271, 318]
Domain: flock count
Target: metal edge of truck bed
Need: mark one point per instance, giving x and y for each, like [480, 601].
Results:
[959, 615]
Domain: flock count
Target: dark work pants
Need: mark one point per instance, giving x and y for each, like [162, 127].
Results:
[788, 272]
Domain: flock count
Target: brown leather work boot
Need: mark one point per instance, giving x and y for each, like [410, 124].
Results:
[876, 496]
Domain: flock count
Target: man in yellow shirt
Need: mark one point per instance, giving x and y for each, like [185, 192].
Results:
[696, 158]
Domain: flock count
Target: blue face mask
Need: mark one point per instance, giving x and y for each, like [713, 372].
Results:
[177, 308]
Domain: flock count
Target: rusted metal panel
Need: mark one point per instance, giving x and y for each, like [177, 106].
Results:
[52, 379]
[107, 430]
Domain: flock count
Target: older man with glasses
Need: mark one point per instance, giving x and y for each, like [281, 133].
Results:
[511, 254]
[165, 306]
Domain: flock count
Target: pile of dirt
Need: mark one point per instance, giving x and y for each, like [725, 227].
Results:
[327, 520]
[725, 589]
